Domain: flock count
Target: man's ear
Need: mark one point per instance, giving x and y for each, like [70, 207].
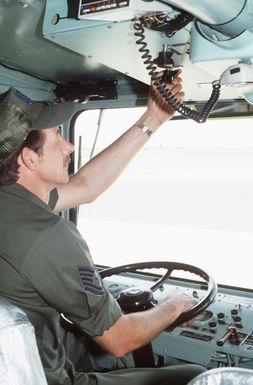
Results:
[29, 158]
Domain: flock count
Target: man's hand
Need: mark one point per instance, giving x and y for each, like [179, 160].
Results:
[182, 302]
[158, 111]
[157, 107]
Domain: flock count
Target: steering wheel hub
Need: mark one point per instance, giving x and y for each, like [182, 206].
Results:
[135, 299]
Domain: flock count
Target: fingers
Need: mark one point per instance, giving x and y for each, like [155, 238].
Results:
[187, 323]
[185, 301]
[175, 89]
[176, 83]
[175, 86]
[157, 104]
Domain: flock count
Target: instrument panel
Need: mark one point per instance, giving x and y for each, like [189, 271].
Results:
[220, 336]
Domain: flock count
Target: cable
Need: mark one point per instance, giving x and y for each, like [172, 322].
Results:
[159, 83]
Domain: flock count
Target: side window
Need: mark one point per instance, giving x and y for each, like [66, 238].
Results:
[187, 196]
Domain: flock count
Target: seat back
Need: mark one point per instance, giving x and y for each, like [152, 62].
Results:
[20, 362]
[224, 376]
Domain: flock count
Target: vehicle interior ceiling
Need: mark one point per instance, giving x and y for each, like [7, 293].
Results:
[48, 52]
[60, 50]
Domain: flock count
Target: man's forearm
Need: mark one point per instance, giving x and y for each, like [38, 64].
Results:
[101, 171]
[134, 330]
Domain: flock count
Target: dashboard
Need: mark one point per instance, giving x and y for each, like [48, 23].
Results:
[222, 335]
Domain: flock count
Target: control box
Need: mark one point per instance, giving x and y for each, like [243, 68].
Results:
[117, 10]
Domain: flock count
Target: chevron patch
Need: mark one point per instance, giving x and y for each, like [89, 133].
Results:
[91, 280]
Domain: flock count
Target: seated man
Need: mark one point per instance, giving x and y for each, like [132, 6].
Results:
[45, 265]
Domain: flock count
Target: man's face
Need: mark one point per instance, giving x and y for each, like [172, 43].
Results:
[54, 160]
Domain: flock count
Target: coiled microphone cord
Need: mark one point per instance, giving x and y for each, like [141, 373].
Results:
[159, 83]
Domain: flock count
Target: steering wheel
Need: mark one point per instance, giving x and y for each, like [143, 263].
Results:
[136, 299]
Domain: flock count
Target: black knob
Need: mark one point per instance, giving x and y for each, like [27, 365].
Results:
[237, 319]
[239, 325]
[212, 324]
[234, 311]
[220, 315]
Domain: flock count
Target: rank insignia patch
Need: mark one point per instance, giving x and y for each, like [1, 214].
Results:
[91, 280]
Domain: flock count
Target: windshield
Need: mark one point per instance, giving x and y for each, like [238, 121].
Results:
[185, 197]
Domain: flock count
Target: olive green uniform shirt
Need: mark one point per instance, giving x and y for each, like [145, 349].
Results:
[46, 269]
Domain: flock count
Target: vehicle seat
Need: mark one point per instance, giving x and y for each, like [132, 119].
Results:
[19, 356]
[224, 376]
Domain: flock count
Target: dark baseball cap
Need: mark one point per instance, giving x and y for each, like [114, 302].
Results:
[19, 115]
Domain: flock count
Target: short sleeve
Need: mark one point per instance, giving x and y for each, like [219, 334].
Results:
[60, 268]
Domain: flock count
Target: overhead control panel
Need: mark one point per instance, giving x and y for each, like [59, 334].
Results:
[117, 9]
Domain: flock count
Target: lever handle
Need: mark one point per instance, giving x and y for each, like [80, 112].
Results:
[231, 331]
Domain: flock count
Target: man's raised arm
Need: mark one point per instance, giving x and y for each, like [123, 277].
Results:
[102, 170]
